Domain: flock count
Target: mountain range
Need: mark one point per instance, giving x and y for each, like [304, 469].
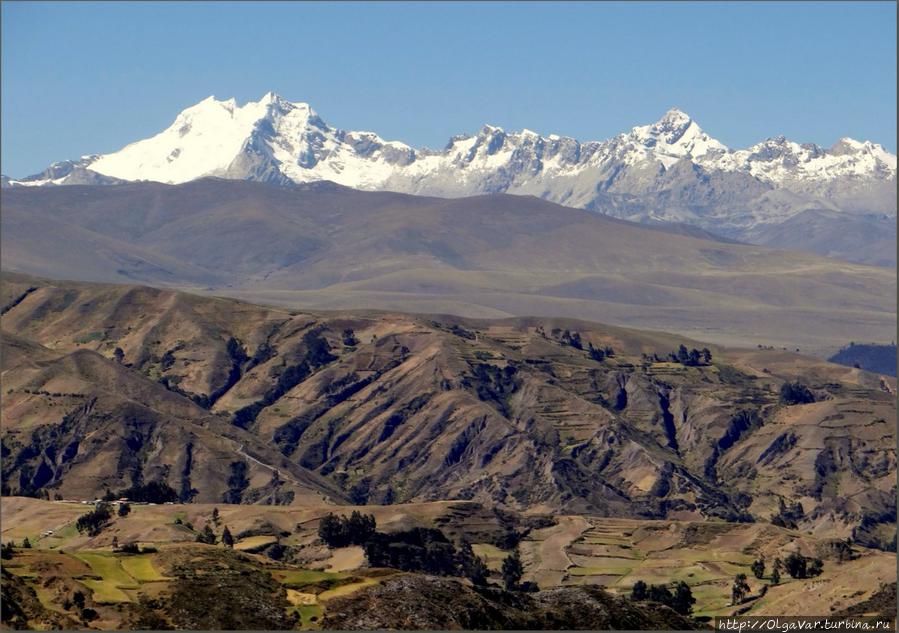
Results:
[325, 246]
[669, 171]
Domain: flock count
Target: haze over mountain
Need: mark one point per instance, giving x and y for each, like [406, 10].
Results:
[669, 171]
[330, 247]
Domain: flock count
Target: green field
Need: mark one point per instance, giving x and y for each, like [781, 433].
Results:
[141, 568]
[310, 616]
[112, 577]
[106, 592]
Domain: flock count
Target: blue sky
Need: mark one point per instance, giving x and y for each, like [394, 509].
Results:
[82, 78]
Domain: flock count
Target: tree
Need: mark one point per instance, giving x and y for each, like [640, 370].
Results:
[758, 567]
[639, 591]
[6, 551]
[775, 576]
[706, 356]
[694, 357]
[119, 355]
[739, 590]
[124, 509]
[683, 356]
[596, 354]
[349, 338]
[227, 539]
[683, 598]
[796, 565]
[512, 570]
[26, 543]
[360, 527]
[78, 599]
[795, 393]
[661, 594]
[471, 565]
[207, 535]
[115, 542]
[331, 530]
[215, 516]
[815, 567]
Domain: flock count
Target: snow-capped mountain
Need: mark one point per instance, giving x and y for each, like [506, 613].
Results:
[668, 171]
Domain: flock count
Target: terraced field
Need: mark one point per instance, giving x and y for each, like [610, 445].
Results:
[610, 552]
[616, 553]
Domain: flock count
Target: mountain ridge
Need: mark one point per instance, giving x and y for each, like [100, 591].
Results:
[668, 171]
[331, 247]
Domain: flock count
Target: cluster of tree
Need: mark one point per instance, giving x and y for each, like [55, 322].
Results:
[94, 521]
[341, 531]
[571, 338]
[152, 492]
[6, 551]
[419, 549]
[600, 353]
[428, 550]
[795, 393]
[349, 338]
[690, 357]
[758, 567]
[207, 536]
[788, 516]
[739, 590]
[461, 332]
[131, 547]
[78, 601]
[799, 566]
[680, 600]
[872, 357]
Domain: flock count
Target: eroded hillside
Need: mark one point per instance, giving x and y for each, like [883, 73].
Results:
[110, 386]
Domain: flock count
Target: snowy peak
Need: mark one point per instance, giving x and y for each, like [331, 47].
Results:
[671, 126]
[675, 136]
[281, 141]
